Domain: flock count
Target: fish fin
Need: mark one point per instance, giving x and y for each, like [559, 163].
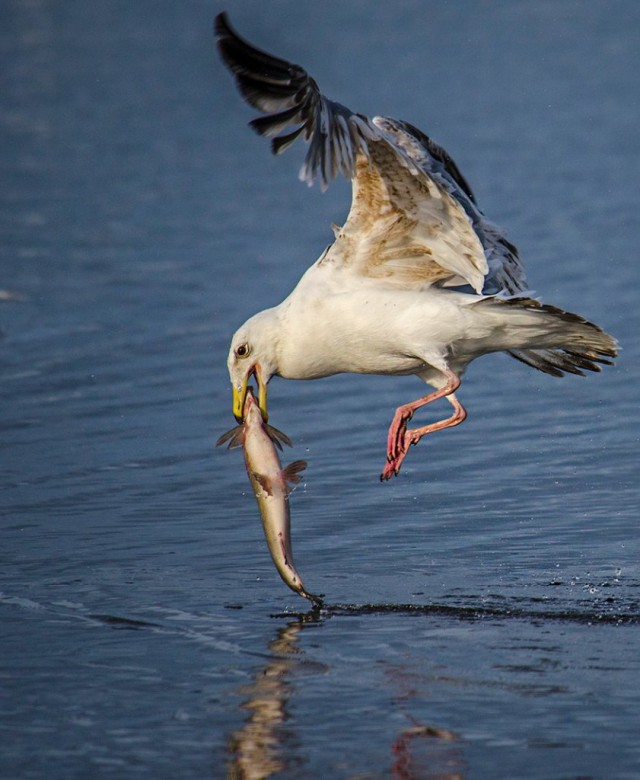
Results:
[234, 437]
[292, 473]
[264, 482]
[277, 436]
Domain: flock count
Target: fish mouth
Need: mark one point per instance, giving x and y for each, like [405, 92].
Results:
[240, 394]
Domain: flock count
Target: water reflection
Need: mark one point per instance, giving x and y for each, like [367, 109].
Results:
[260, 748]
[264, 746]
[426, 753]
[421, 752]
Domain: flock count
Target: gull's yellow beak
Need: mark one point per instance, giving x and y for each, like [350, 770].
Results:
[240, 395]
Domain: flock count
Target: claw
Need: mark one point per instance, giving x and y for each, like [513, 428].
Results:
[387, 472]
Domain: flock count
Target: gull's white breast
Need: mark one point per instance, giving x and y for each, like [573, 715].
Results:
[366, 328]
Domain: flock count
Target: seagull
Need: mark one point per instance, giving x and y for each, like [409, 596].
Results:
[417, 281]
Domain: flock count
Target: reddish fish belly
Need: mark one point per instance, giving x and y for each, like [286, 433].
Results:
[272, 486]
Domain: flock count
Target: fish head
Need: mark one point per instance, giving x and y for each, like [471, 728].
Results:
[251, 410]
[252, 418]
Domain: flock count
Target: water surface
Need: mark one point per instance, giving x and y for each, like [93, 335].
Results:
[482, 610]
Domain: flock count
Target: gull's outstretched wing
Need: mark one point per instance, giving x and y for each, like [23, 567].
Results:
[413, 220]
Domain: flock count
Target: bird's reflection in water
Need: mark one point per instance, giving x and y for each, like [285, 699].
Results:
[421, 752]
[264, 746]
[258, 749]
[426, 753]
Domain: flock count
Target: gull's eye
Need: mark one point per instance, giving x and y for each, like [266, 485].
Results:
[242, 351]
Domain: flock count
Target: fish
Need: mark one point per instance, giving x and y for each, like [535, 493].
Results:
[272, 486]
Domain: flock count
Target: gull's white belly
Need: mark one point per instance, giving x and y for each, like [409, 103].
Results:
[368, 331]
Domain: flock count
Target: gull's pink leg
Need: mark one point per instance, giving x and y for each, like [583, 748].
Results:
[395, 438]
[400, 439]
[413, 436]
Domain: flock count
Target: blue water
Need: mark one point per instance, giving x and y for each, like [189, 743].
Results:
[483, 609]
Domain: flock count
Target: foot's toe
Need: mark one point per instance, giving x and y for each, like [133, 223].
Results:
[388, 471]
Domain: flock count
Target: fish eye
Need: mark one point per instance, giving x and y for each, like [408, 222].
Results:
[243, 351]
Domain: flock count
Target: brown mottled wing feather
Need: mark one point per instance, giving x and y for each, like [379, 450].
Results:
[405, 228]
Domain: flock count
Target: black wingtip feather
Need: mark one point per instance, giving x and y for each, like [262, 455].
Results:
[239, 53]
[283, 142]
[293, 105]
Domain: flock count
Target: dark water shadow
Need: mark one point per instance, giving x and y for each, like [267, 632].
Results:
[128, 624]
[480, 612]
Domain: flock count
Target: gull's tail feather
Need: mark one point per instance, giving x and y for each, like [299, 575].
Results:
[564, 342]
[559, 362]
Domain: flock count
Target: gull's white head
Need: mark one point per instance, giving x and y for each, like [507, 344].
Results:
[253, 352]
